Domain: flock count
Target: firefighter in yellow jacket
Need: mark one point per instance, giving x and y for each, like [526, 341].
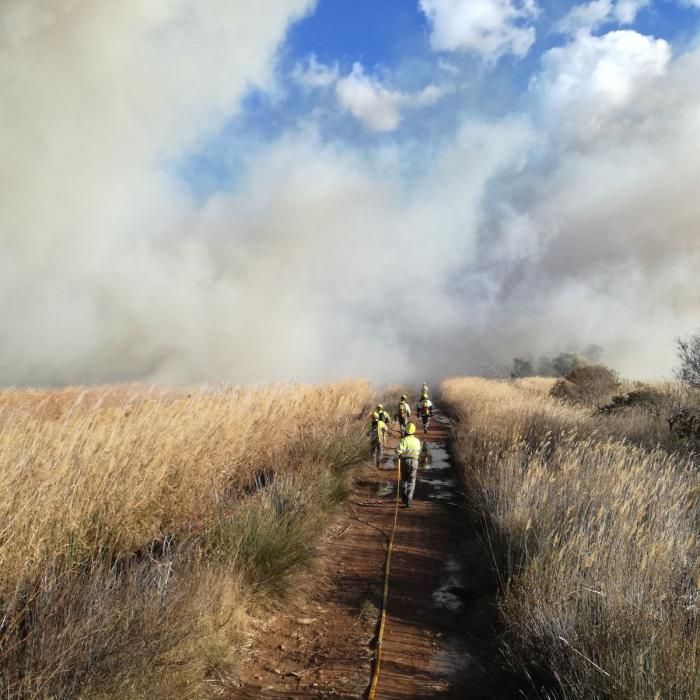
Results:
[408, 453]
[383, 414]
[424, 409]
[377, 437]
[403, 413]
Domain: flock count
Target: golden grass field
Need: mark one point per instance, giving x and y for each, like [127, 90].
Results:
[592, 521]
[140, 527]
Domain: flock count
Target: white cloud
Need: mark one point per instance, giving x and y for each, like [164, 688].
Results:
[585, 17]
[314, 74]
[447, 66]
[377, 107]
[426, 97]
[626, 10]
[595, 76]
[491, 28]
[590, 16]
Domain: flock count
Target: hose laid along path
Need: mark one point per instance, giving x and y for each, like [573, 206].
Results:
[377, 663]
[422, 653]
[433, 599]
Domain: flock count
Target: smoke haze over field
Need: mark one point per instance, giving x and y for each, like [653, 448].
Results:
[567, 219]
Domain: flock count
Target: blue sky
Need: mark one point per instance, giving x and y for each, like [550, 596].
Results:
[373, 32]
[390, 32]
[391, 40]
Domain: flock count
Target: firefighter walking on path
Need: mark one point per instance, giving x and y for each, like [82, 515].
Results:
[377, 437]
[383, 414]
[424, 409]
[403, 414]
[408, 453]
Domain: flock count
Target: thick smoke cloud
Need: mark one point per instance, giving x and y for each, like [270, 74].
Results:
[573, 222]
[102, 276]
[610, 219]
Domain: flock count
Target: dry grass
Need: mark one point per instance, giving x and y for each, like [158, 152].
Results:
[593, 523]
[136, 527]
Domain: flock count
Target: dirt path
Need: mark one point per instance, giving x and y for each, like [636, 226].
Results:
[439, 639]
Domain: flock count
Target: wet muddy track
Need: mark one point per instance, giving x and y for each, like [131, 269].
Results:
[440, 637]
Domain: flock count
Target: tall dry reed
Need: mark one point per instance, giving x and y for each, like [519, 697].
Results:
[126, 558]
[593, 530]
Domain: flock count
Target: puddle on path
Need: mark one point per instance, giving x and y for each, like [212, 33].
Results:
[444, 483]
[453, 656]
[439, 459]
[447, 595]
[386, 489]
[441, 487]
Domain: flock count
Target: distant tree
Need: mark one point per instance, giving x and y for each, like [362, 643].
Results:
[522, 368]
[688, 350]
[566, 362]
[559, 366]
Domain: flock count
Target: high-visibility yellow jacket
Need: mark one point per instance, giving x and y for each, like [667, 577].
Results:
[404, 409]
[377, 431]
[409, 447]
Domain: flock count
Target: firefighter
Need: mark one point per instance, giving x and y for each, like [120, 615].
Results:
[424, 409]
[408, 453]
[377, 437]
[403, 413]
[383, 414]
[424, 390]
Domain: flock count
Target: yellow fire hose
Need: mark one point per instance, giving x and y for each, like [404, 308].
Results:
[387, 566]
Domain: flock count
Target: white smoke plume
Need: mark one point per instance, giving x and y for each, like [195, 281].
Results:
[572, 222]
[102, 274]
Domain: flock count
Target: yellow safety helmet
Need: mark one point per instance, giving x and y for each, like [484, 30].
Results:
[410, 429]
[424, 395]
[380, 407]
[375, 416]
[403, 397]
